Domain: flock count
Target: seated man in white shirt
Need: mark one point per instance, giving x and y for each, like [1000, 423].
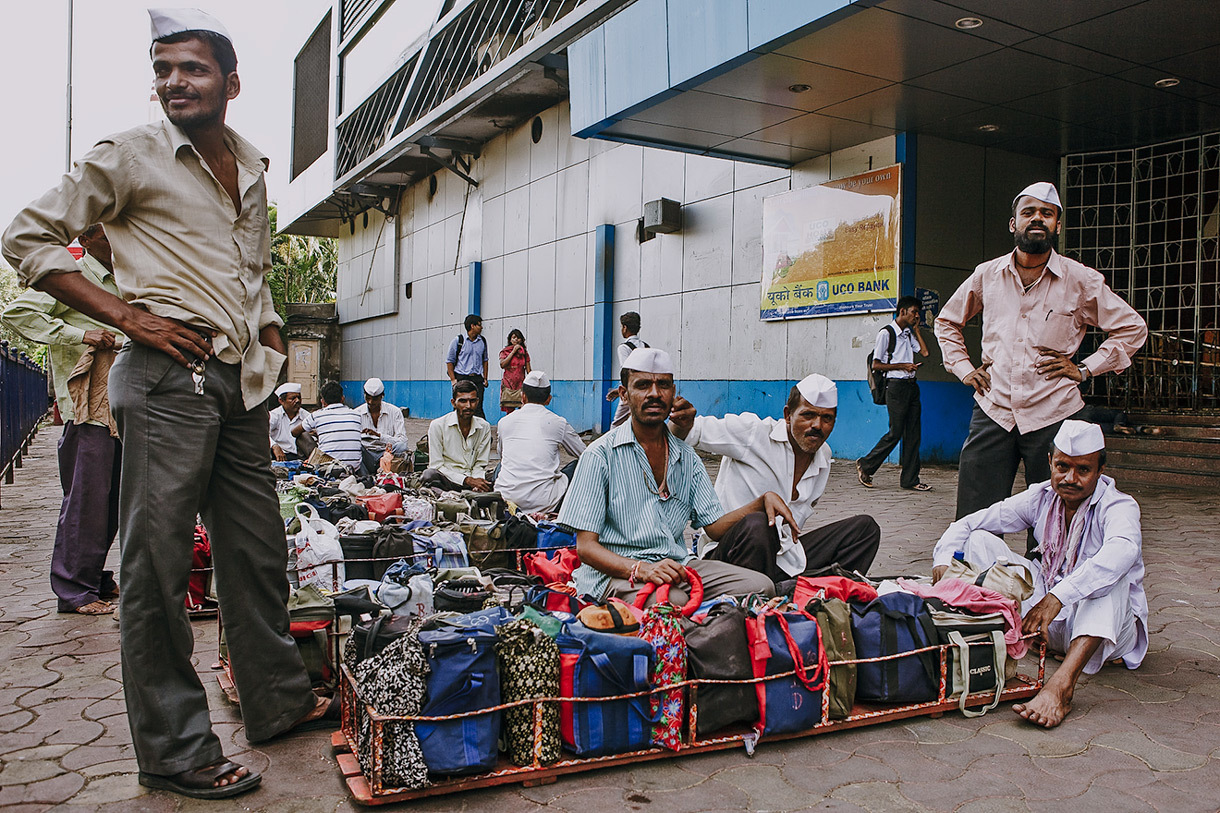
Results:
[335, 425]
[530, 440]
[791, 458]
[1088, 599]
[381, 425]
[283, 419]
[459, 444]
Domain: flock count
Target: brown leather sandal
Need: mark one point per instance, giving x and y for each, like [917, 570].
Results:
[200, 783]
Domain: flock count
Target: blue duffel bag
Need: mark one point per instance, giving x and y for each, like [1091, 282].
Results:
[552, 535]
[599, 664]
[890, 625]
[780, 643]
[462, 677]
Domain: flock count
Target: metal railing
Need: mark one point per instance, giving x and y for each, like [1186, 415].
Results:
[1172, 372]
[471, 42]
[23, 403]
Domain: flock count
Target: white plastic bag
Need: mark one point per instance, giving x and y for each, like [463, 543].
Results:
[318, 546]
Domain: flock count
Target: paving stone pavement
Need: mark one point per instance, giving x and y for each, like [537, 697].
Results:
[1136, 741]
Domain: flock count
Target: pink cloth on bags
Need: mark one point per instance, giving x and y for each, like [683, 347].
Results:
[970, 597]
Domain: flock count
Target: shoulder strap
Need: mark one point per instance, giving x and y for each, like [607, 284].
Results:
[889, 354]
[462, 340]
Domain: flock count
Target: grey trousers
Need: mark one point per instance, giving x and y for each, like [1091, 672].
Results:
[902, 404]
[88, 517]
[184, 453]
[988, 463]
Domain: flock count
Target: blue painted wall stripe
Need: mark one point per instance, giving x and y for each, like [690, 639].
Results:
[603, 320]
[474, 295]
[946, 408]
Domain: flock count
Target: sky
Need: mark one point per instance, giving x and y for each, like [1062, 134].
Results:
[112, 81]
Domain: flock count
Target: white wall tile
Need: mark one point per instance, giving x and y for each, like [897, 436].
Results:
[747, 229]
[517, 157]
[516, 282]
[572, 344]
[516, 219]
[571, 150]
[570, 261]
[705, 334]
[417, 268]
[438, 255]
[544, 156]
[626, 262]
[661, 325]
[615, 183]
[746, 175]
[436, 300]
[664, 175]
[492, 300]
[661, 265]
[707, 243]
[490, 167]
[572, 201]
[539, 329]
[847, 342]
[493, 227]
[757, 349]
[807, 349]
[456, 301]
[811, 173]
[863, 157]
[542, 278]
[436, 344]
[707, 177]
[586, 370]
[542, 210]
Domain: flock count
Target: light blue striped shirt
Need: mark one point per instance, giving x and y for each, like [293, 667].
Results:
[614, 495]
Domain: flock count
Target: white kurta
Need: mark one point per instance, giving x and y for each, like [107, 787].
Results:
[390, 426]
[1109, 560]
[756, 457]
[530, 440]
[281, 429]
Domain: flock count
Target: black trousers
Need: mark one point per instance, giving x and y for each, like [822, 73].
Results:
[753, 543]
[477, 380]
[902, 402]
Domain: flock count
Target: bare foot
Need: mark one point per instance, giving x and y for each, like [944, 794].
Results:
[1048, 708]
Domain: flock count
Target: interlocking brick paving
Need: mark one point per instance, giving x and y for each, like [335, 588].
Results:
[1136, 741]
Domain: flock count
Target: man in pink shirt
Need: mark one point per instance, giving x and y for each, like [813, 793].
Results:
[1036, 305]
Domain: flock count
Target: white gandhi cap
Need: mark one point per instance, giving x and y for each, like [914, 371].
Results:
[374, 387]
[169, 21]
[284, 389]
[649, 360]
[819, 391]
[1043, 191]
[537, 378]
[1076, 438]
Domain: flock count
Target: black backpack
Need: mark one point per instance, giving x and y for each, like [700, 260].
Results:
[876, 378]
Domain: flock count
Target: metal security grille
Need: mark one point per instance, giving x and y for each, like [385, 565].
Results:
[475, 40]
[351, 14]
[1148, 219]
[310, 102]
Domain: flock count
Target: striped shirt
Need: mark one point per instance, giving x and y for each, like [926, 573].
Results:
[338, 431]
[614, 495]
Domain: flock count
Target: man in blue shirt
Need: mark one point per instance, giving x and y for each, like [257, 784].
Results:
[634, 492]
[466, 354]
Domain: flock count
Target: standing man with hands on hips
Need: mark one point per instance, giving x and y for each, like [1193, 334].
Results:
[1036, 305]
[184, 203]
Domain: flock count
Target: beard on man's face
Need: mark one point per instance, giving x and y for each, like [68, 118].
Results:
[1033, 245]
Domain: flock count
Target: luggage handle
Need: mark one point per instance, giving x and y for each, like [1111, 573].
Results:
[601, 662]
[798, 660]
[957, 640]
[692, 604]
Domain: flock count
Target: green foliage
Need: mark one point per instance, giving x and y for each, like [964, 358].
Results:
[10, 289]
[304, 269]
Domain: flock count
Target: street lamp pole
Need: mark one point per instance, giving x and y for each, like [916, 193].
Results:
[68, 117]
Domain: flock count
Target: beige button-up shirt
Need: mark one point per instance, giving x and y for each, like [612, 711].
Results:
[181, 249]
[1054, 313]
[456, 456]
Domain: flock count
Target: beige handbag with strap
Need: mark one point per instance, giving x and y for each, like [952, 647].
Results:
[1009, 580]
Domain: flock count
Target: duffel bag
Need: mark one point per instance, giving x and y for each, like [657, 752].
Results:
[406, 589]
[446, 547]
[369, 638]
[558, 569]
[358, 547]
[311, 617]
[787, 642]
[556, 598]
[465, 595]
[485, 543]
[974, 665]
[834, 619]
[529, 668]
[520, 533]
[553, 535]
[511, 587]
[831, 587]
[394, 541]
[597, 664]
[717, 649]
[381, 506]
[463, 677]
[891, 625]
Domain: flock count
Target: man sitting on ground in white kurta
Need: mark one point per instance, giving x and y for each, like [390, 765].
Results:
[530, 440]
[789, 456]
[1088, 599]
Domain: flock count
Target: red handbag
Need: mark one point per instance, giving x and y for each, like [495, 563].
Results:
[831, 587]
[382, 506]
[557, 569]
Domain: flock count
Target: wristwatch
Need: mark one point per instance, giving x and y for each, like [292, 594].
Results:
[1084, 371]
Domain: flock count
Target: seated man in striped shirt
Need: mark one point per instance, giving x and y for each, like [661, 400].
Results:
[335, 425]
[634, 492]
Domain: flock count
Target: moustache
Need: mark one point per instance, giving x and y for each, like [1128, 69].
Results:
[654, 402]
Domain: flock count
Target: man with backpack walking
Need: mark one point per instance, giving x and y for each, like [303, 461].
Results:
[894, 357]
